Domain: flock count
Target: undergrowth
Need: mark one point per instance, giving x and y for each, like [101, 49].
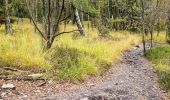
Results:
[72, 57]
[160, 57]
[23, 49]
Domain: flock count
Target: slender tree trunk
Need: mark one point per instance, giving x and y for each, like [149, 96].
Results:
[143, 26]
[151, 33]
[108, 1]
[92, 24]
[65, 25]
[35, 11]
[49, 26]
[78, 22]
[143, 39]
[8, 26]
[82, 17]
[158, 27]
[88, 19]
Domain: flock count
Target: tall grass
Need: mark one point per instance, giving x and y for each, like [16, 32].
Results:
[97, 53]
[160, 38]
[23, 49]
[160, 57]
[72, 57]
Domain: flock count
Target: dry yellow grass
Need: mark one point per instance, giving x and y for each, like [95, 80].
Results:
[161, 38]
[24, 49]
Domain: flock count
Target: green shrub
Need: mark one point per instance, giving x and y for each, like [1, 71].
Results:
[103, 31]
[72, 64]
[135, 29]
[159, 55]
[165, 79]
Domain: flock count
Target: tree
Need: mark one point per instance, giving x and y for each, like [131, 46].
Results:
[53, 13]
[142, 4]
[8, 26]
[77, 20]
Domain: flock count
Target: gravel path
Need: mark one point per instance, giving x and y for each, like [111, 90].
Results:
[131, 79]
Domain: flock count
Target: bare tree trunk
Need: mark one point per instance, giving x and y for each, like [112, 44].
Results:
[108, 1]
[82, 17]
[50, 23]
[35, 12]
[158, 27]
[8, 26]
[88, 18]
[143, 39]
[49, 26]
[78, 22]
[143, 26]
[92, 24]
[65, 25]
[151, 33]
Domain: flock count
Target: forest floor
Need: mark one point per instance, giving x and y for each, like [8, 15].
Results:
[133, 78]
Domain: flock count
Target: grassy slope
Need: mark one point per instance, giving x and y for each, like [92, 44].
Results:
[72, 57]
[160, 57]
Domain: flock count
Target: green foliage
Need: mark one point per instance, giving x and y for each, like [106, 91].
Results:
[73, 64]
[135, 29]
[165, 79]
[160, 57]
[103, 30]
[162, 52]
[86, 6]
[118, 20]
[20, 9]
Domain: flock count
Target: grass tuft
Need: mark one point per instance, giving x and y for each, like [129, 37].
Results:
[73, 64]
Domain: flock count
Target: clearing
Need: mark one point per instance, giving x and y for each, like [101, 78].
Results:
[131, 79]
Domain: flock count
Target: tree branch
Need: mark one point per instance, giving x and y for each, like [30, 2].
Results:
[36, 26]
[67, 32]
[65, 18]
[61, 34]
[58, 20]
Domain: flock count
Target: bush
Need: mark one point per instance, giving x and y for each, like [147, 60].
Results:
[103, 31]
[135, 29]
[162, 52]
[71, 64]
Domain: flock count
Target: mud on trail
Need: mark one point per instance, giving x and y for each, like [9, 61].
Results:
[133, 78]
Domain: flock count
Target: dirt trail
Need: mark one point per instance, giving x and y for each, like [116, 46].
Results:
[132, 79]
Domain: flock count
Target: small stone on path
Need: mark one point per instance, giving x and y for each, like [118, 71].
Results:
[36, 76]
[86, 98]
[8, 86]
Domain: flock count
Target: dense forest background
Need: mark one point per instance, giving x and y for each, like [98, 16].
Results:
[107, 15]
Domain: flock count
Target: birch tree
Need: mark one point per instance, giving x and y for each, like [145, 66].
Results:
[8, 26]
